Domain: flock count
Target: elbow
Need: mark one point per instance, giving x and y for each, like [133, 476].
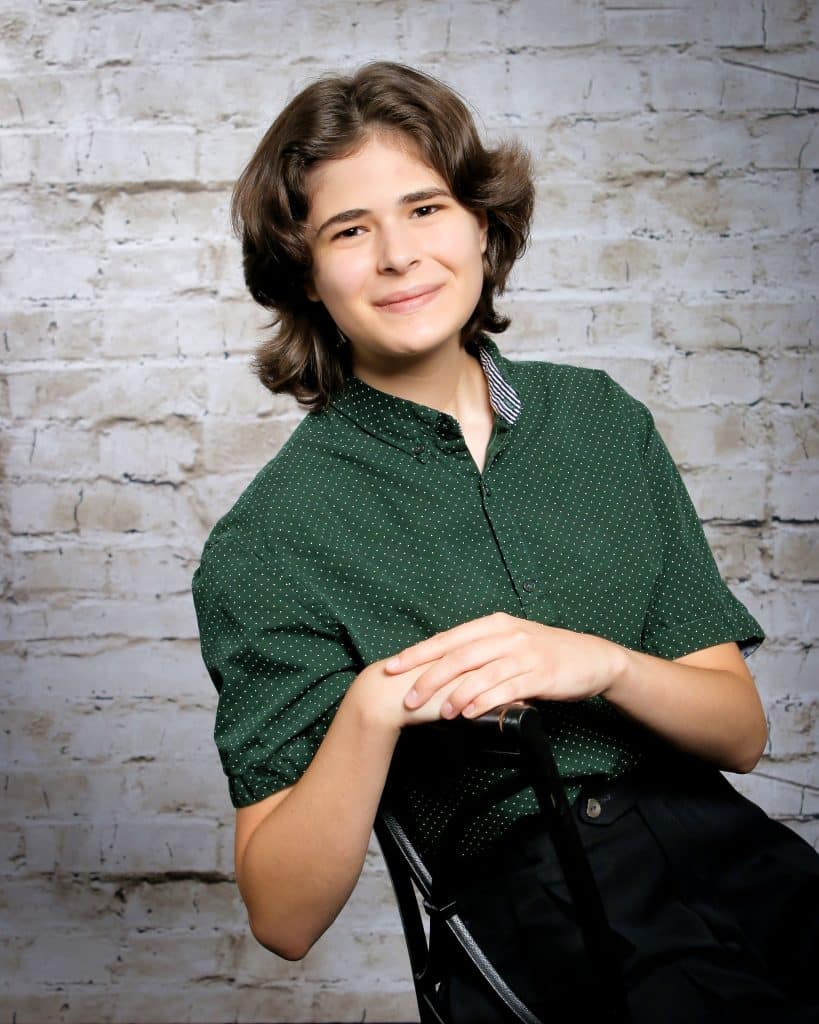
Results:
[755, 749]
[288, 947]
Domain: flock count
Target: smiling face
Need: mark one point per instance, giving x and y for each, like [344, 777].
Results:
[382, 223]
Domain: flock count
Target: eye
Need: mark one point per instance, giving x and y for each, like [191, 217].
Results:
[344, 233]
[432, 207]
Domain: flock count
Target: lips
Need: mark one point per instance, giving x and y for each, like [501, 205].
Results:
[398, 302]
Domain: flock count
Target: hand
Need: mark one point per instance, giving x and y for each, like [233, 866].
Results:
[379, 696]
[499, 658]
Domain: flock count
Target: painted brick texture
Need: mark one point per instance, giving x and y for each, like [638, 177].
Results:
[675, 244]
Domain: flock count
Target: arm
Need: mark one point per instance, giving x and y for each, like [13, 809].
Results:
[299, 853]
[705, 702]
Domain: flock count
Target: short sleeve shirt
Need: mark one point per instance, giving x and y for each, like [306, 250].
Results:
[372, 528]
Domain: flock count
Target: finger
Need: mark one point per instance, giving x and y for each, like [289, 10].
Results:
[472, 684]
[516, 688]
[466, 658]
[442, 643]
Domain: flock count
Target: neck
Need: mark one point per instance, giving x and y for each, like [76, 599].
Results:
[450, 379]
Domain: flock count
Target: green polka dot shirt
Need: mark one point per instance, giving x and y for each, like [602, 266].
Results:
[372, 529]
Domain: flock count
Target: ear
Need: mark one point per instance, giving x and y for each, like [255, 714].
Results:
[310, 290]
[483, 221]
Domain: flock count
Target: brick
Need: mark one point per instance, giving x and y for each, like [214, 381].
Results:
[802, 772]
[182, 216]
[16, 27]
[712, 205]
[42, 100]
[43, 452]
[784, 673]
[211, 905]
[37, 217]
[154, 846]
[187, 326]
[223, 150]
[57, 957]
[172, 616]
[791, 379]
[735, 22]
[790, 613]
[243, 444]
[192, 92]
[786, 262]
[791, 21]
[728, 493]
[523, 23]
[70, 567]
[726, 437]
[36, 272]
[233, 390]
[741, 554]
[793, 728]
[793, 495]
[171, 669]
[133, 507]
[769, 326]
[795, 438]
[573, 84]
[716, 378]
[471, 27]
[796, 555]
[136, 730]
[55, 332]
[147, 393]
[652, 26]
[154, 568]
[162, 452]
[164, 270]
[36, 508]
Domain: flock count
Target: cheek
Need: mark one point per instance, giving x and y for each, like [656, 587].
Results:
[343, 278]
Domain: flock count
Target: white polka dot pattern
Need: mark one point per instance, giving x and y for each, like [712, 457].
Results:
[372, 529]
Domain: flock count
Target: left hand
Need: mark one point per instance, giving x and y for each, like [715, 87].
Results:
[501, 658]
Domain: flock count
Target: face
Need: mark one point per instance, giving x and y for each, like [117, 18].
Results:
[382, 223]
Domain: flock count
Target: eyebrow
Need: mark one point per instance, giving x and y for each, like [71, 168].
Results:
[405, 200]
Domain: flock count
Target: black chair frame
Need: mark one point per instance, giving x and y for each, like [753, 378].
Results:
[514, 731]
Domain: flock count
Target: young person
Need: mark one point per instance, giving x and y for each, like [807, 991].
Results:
[513, 529]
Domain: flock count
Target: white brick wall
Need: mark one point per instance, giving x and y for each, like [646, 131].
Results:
[675, 244]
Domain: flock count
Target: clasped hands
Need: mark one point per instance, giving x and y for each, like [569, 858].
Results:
[500, 658]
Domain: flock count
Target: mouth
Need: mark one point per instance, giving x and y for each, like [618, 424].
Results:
[411, 304]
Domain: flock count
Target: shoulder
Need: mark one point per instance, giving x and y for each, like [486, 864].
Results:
[258, 526]
[586, 401]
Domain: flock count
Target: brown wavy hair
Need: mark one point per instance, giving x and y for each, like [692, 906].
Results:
[333, 117]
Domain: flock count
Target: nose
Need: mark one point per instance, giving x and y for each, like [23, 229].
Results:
[397, 247]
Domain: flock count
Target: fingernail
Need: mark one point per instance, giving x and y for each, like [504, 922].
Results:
[446, 709]
[469, 710]
[411, 699]
[393, 662]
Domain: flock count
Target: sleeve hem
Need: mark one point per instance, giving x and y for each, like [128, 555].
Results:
[245, 790]
[706, 631]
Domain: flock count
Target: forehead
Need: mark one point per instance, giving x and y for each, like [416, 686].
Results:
[384, 159]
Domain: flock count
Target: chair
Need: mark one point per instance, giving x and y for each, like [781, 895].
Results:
[513, 734]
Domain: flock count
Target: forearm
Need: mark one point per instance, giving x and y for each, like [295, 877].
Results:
[711, 713]
[303, 860]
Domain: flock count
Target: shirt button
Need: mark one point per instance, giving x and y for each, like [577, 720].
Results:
[418, 449]
[593, 807]
[529, 585]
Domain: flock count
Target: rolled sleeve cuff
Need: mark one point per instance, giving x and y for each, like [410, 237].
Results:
[707, 631]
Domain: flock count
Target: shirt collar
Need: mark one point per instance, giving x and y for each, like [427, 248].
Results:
[408, 424]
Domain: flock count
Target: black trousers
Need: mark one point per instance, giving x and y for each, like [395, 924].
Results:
[715, 907]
